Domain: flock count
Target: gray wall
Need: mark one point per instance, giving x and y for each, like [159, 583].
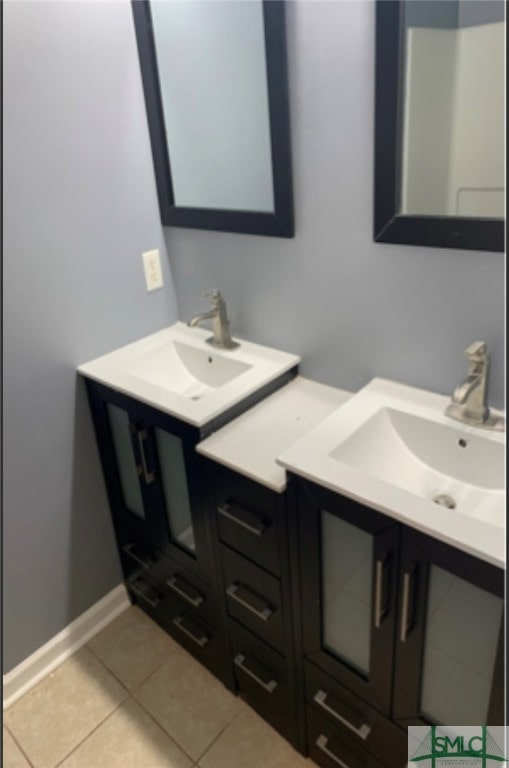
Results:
[352, 308]
[79, 208]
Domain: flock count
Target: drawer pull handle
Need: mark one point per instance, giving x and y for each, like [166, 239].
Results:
[321, 743]
[149, 476]
[254, 604]
[140, 554]
[362, 730]
[382, 606]
[185, 590]
[181, 621]
[145, 591]
[240, 660]
[408, 604]
[243, 518]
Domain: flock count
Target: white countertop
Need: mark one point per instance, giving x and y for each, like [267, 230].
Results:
[153, 371]
[249, 444]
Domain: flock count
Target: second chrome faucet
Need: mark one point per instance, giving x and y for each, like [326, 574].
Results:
[220, 324]
[468, 403]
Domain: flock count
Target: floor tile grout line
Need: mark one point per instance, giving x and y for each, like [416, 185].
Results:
[94, 729]
[118, 679]
[219, 734]
[163, 729]
[132, 694]
[15, 740]
[125, 698]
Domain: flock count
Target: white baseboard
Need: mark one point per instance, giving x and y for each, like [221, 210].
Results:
[43, 661]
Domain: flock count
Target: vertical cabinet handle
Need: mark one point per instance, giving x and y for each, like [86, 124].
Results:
[322, 742]
[360, 729]
[133, 431]
[149, 476]
[242, 517]
[408, 604]
[240, 662]
[382, 582]
[250, 601]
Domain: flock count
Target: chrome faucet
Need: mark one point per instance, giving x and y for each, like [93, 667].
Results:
[220, 322]
[468, 403]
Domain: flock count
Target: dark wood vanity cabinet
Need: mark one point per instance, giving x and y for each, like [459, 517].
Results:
[252, 544]
[398, 629]
[159, 505]
[338, 625]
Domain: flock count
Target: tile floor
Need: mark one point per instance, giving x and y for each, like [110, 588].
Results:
[116, 705]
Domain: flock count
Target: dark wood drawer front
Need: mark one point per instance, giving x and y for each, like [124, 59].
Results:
[145, 560]
[353, 718]
[259, 670]
[197, 636]
[248, 518]
[191, 592]
[331, 748]
[170, 577]
[253, 597]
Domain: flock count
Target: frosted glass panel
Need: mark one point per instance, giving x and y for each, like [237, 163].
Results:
[173, 472]
[119, 423]
[347, 570]
[462, 630]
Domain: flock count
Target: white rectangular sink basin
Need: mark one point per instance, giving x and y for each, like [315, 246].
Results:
[391, 447]
[176, 371]
[185, 369]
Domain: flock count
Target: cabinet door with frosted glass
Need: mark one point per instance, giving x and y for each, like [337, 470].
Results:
[128, 465]
[156, 486]
[181, 487]
[449, 643]
[348, 581]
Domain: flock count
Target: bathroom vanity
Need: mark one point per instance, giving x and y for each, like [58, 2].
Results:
[271, 525]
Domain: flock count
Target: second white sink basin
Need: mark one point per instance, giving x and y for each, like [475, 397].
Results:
[176, 371]
[432, 460]
[392, 448]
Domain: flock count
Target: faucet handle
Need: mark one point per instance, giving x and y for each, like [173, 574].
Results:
[477, 351]
[213, 294]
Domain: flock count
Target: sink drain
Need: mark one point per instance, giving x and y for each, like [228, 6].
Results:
[444, 500]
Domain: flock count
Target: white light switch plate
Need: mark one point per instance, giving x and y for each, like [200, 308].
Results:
[152, 267]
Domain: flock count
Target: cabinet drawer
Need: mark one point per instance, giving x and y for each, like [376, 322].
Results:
[198, 637]
[253, 597]
[353, 718]
[190, 591]
[260, 673]
[142, 559]
[330, 747]
[248, 518]
[171, 577]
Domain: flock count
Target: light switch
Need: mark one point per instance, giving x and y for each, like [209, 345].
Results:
[152, 267]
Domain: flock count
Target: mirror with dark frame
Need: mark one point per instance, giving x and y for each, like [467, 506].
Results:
[440, 123]
[216, 93]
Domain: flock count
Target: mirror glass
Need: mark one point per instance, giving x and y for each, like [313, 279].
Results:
[211, 61]
[215, 82]
[453, 110]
